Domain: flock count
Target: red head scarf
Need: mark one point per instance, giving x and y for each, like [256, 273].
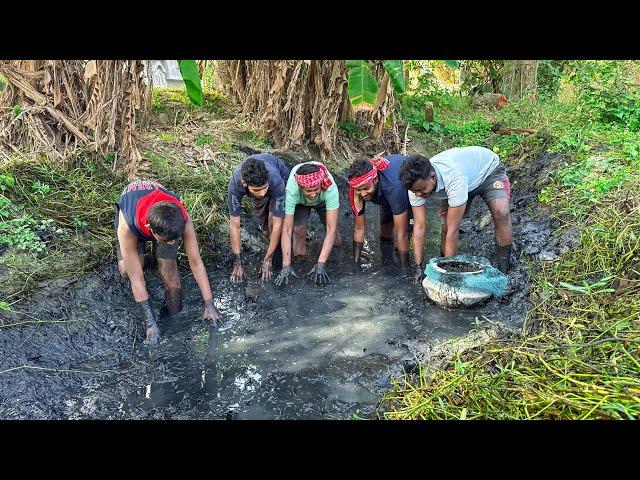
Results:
[311, 180]
[379, 164]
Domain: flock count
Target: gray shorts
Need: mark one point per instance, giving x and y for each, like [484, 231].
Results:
[160, 250]
[496, 185]
[301, 215]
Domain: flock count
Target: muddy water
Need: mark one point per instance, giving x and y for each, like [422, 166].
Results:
[301, 351]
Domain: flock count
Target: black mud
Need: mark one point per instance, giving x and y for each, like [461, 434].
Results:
[303, 351]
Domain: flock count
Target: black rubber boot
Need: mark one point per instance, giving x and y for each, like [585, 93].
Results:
[503, 257]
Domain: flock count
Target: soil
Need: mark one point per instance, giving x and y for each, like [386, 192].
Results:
[300, 351]
[459, 267]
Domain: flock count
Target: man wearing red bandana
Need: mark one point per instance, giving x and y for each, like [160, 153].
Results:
[310, 185]
[377, 180]
[146, 211]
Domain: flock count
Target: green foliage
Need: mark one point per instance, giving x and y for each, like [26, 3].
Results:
[41, 188]
[362, 85]
[168, 137]
[203, 140]
[17, 109]
[351, 127]
[189, 71]
[549, 75]
[4, 306]
[481, 76]
[6, 181]
[396, 73]
[606, 93]
[452, 63]
[3, 83]
[257, 140]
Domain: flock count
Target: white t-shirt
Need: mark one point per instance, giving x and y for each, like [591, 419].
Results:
[459, 171]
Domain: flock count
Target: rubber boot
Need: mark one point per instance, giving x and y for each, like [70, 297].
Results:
[503, 257]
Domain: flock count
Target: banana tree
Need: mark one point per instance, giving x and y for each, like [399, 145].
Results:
[362, 84]
[191, 78]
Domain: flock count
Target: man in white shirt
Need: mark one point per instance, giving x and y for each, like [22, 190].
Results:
[454, 177]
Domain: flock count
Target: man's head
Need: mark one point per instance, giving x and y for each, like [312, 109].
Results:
[166, 222]
[418, 175]
[359, 168]
[310, 193]
[255, 177]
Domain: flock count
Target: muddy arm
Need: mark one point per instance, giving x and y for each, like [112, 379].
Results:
[285, 239]
[454, 217]
[234, 231]
[128, 247]
[274, 239]
[400, 222]
[358, 228]
[330, 236]
[195, 261]
[419, 228]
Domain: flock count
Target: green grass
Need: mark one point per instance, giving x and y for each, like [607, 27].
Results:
[577, 356]
[162, 99]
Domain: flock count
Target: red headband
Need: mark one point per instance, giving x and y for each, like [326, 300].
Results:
[379, 164]
[311, 180]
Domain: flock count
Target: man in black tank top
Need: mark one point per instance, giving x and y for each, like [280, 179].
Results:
[146, 211]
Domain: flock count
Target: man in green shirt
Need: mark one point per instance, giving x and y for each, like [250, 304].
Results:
[310, 185]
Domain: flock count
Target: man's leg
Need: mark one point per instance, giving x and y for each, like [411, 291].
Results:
[300, 221]
[496, 193]
[386, 225]
[443, 209]
[167, 256]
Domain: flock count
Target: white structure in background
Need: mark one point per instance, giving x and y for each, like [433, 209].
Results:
[166, 74]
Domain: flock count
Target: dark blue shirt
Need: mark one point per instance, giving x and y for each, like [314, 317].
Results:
[390, 194]
[278, 175]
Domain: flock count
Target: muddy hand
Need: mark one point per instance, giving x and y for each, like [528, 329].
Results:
[320, 276]
[283, 276]
[152, 331]
[237, 274]
[212, 313]
[266, 270]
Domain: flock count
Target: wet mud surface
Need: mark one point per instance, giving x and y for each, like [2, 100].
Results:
[296, 352]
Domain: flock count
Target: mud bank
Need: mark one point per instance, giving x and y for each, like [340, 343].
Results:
[302, 351]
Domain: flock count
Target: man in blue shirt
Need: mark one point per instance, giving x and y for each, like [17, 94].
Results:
[262, 177]
[453, 178]
[377, 180]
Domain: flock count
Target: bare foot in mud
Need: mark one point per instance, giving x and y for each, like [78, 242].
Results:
[153, 333]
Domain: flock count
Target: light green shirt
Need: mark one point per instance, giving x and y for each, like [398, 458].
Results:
[330, 197]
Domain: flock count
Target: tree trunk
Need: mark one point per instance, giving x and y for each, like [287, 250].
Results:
[62, 105]
[520, 78]
[295, 102]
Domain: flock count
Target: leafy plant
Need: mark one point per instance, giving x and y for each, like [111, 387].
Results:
[41, 188]
[6, 181]
[189, 71]
[362, 84]
[203, 140]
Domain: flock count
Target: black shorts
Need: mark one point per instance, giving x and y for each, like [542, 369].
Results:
[160, 250]
[301, 215]
[261, 209]
[386, 216]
